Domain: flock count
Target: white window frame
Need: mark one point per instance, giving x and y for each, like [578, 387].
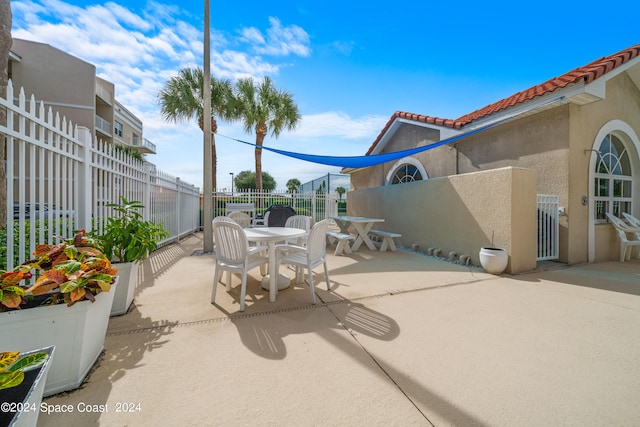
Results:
[402, 163]
[609, 178]
[118, 128]
[632, 143]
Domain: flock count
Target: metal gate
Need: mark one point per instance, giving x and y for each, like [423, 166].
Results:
[548, 227]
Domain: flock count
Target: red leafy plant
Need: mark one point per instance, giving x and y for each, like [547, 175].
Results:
[68, 272]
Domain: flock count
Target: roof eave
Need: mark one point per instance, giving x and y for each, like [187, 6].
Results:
[397, 122]
[581, 86]
[14, 57]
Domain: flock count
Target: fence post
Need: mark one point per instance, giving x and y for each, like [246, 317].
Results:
[9, 174]
[85, 181]
[146, 195]
[313, 206]
[178, 204]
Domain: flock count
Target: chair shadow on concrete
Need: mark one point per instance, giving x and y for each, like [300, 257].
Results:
[266, 339]
[339, 324]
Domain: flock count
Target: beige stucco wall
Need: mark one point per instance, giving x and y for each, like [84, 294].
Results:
[556, 143]
[441, 159]
[461, 213]
[622, 103]
[539, 142]
[62, 81]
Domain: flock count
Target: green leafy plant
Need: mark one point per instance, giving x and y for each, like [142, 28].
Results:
[13, 367]
[77, 269]
[11, 293]
[127, 237]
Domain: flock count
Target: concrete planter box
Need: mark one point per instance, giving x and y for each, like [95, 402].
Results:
[77, 332]
[29, 405]
[127, 282]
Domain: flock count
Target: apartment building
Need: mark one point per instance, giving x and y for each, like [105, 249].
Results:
[70, 86]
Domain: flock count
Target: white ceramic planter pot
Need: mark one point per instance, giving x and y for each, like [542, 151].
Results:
[127, 282]
[27, 400]
[77, 332]
[494, 260]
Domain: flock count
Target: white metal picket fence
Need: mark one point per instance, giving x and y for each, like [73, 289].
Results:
[548, 227]
[59, 179]
[316, 204]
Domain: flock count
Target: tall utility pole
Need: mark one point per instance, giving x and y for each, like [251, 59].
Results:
[207, 207]
[5, 48]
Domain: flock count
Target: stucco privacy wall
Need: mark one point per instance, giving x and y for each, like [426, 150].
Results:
[539, 142]
[460, 213]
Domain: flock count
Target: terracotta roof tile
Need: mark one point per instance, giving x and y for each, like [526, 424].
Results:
[586, 73]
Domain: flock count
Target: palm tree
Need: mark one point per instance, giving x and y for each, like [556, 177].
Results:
[264, 108]
[340, 191]
[293, 184]
[5, 47]
[181, 99]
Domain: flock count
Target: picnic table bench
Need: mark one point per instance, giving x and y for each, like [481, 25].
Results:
[387, 239]
[343, 240]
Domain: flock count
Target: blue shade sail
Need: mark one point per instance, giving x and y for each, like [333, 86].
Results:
[357, 162]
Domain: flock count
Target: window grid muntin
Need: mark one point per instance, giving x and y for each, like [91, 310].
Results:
[406, 173]
[613, 179]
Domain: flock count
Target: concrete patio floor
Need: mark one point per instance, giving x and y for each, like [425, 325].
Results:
[401, 339]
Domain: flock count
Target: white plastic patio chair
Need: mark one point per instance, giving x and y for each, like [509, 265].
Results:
[303, 222]
[242, 218]
[261, 222]
[221, 218]
[309, 256]
[625, 243]
[234, 255]
[635, 222]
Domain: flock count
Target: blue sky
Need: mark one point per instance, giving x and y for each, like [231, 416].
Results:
[349, 65]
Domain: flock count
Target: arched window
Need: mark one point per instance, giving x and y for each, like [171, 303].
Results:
[613, 179]
[406, 173]
[406, 170]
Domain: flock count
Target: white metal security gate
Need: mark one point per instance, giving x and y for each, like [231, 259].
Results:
[548, 227]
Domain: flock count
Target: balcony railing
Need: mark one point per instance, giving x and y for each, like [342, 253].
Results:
[147, 146]
[150, 145]
[103, 126]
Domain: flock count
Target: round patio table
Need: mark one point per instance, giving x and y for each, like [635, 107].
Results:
[271, 236]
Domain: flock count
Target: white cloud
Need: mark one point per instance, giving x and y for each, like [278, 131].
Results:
[339, 124]
[127, 17]
[280, 41]
[139, 52]
[252, 35]
[344, 47]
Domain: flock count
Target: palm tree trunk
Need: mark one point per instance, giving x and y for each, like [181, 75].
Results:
[214, 158]
[261, 133]
[214, 162]
[5, 47]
